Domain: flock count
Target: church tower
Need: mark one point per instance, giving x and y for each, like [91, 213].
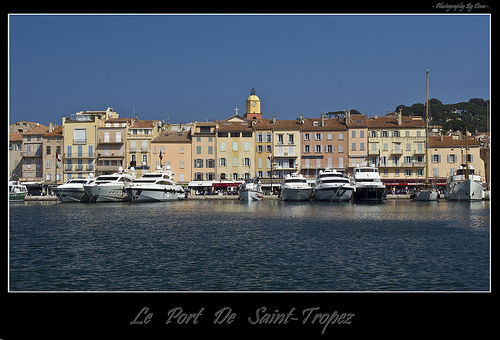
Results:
[253, 107]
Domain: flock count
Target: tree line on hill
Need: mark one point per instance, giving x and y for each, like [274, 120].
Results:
[471, 115]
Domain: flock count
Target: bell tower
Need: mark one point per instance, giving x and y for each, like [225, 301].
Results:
[253, 107]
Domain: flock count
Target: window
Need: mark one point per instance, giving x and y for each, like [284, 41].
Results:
[198, 150]
[373, 133]
[307, 136]
[353, 134]
[395, 133]
[234, 134]
[408, 146]
[436, 158]
[181, 149]
[385, 133]
[246, 146]
[48, 150]
[318, 148]
[341, 136]
[452, 158]
[318, 136]
[222, 162]
[361, 146]
[361, 134]
[247, 162]
[222, 146]
[341, 149]
[436, 172]
[144, 159]
[210, 150]
[329, 149]
[235, 146]
[280, 139]
[353, 147]
[118, 136]
[395, 160]
[291, 139]
[329, 136]
[106, 137]
[307, 148]
[235, 161]
[80, 136]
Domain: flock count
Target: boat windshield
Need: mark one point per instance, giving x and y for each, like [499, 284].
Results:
[77, 181]
[107, 178]
[296, 180]
[345, 180]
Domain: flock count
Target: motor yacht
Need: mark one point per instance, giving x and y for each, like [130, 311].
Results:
[251, 190]
[73, 191]
[368, 184]
[295, 188]
[156, 186]
[332, 185]
[110, 188]
[465, 185]
[17, 191]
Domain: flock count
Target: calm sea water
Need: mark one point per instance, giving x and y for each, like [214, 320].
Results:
[235, 246]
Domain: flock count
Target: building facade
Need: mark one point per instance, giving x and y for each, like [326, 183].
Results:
[286, 147]
[235, 149]
[204, 151]
[80, 140]
[447, 153]
[173, 149]
[397, 145]
[52, 150]
[32, 162]
[357, 138]
[324, 145]
[111, 151]
[139, 136]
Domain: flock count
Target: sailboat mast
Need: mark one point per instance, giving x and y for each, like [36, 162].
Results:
[427, 127]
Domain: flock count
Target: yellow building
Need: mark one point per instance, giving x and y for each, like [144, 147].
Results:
[80, 141]
[445, 154]
[263, 131]
[139, 136]
[111, 145]
[235, 149]
[396, 144]
[173, 148]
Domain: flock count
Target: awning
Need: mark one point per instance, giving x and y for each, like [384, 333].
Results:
[226, 184]
[409, 182]
[200, 184]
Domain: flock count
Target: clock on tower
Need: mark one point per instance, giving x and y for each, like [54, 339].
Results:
[253, 107]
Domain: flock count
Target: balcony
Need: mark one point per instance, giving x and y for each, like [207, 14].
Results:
[79, 155]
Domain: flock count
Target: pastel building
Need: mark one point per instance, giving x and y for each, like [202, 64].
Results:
[324, 144]
[173, 148]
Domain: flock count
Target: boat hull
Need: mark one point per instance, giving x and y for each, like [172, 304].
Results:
[467, 190]
[426, 195]
[71, 195]
[149, 194]
[18, 196]
[107, 193]
[369, 194]
[334, 194]
[250, 195]
[296, 194]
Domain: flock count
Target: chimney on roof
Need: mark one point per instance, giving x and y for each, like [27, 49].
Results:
[301, 119]
[51, 127]
[274, 119]
[400, 116]
[322, 119]
[348, 116]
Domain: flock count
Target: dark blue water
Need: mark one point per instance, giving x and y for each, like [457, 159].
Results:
[265, 246]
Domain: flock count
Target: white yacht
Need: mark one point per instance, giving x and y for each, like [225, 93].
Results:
[17, 191]
[251, 190]
[465, 185]
[333, 185]
[156, 186]
[110, 188]
[295, 188]
[73, 191]
[368, 184]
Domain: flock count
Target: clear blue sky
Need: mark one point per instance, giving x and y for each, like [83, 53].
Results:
[198, 67]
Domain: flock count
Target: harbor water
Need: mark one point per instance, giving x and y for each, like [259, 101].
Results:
[228, 245]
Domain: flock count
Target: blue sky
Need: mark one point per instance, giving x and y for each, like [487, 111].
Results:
[191, 67]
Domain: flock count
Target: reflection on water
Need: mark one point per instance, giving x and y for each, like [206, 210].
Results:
[267, 245]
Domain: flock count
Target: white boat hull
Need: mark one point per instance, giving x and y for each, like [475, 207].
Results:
[153, 194]
[467, 190]
[290, 194]
[71, 195]
[251, 195]
[334, 194]
[426, 195]
[107, 193]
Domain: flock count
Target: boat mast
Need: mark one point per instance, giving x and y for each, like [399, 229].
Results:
[427, 128]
